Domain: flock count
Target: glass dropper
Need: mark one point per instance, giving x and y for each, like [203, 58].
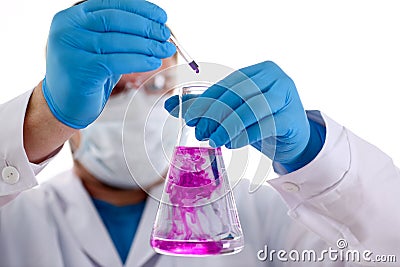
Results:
[184, 54]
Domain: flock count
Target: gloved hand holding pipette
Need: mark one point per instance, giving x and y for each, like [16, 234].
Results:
[257, 105]
[90, 45]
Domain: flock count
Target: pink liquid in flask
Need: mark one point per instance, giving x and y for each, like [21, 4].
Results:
[197, 215]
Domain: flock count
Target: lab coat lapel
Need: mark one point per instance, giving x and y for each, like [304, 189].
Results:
[141, 251]
[85, 223]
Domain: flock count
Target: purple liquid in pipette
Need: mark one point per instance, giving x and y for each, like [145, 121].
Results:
[194, 66]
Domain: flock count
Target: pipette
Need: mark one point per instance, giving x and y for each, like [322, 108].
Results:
[184, 54]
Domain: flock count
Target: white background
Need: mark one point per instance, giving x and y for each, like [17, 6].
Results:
[343, 55]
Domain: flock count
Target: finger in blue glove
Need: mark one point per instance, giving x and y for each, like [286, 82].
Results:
[90, 45]
[260, 106]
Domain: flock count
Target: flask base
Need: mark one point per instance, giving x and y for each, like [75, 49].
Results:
[200, 248]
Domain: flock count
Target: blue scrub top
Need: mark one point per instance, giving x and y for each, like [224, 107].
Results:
[121, 223]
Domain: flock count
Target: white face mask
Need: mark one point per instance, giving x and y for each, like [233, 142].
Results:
[132, 153]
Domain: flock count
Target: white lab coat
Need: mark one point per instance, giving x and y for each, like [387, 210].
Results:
[350, 191]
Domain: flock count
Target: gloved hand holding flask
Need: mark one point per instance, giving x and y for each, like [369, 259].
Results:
[258, 105]
[90, 45]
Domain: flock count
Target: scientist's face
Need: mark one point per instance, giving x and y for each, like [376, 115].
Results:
[134, 81]
[100, 150]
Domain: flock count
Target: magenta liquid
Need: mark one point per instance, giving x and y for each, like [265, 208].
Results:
[194, 248]
[197, 220]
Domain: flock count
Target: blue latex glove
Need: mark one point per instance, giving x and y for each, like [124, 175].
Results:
[257, 105]
[90, 45]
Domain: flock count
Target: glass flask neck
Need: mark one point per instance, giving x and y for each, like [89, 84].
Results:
[187, 136]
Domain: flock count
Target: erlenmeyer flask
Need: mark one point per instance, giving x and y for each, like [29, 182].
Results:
[197, 215]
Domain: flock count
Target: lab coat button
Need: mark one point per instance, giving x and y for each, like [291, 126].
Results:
[10, 175]
[290, 187]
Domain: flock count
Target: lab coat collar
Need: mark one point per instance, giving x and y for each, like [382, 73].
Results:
[141, 251]
[85, 223]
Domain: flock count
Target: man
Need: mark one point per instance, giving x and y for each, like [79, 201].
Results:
[332, 181]
[100, 185]
[130, 32]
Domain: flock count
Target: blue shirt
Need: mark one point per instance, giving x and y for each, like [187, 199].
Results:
[121, 223]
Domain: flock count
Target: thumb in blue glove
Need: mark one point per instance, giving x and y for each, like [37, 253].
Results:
[259, 106]
[90, 45]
